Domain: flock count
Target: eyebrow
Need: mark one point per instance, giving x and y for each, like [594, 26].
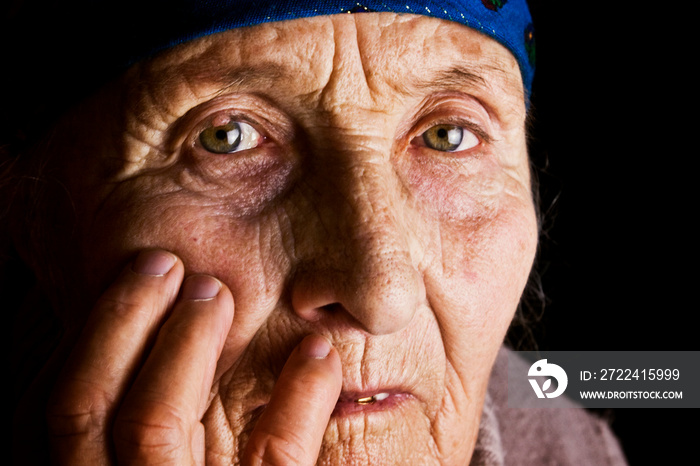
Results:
[458, 76]
[455, 77]
[258, 75]
[210, 72]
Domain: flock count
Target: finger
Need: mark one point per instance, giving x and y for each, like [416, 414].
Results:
[159, 421]
[106, 356]
[290, 430]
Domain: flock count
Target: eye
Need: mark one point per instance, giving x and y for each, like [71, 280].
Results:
[449, 138]
[232, 137]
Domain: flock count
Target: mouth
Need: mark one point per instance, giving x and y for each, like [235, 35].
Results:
[352, 402]
[368, 400]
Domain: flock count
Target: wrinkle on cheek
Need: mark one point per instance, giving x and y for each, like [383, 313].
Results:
[287, 237]
[139, 154]
[451, 192]
[516, 176]
[272, 258]
[517, 187]
[245, 187]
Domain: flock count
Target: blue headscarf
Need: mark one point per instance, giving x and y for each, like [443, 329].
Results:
[507, 21]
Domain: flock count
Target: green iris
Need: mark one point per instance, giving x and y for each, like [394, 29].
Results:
[445, 138]
[221, 139]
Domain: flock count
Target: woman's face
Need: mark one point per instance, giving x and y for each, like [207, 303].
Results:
[361, 176]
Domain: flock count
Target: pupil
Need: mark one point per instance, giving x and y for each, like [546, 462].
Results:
[221, 135]
[442, 133]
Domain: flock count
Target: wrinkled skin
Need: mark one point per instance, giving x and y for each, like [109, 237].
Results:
[340, 222]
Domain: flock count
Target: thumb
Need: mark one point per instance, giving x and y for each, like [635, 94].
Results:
[291, 428]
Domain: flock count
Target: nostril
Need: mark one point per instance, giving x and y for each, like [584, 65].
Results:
[335, 311]
[333, 308]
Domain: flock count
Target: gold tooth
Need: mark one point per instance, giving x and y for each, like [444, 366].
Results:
[368, 400]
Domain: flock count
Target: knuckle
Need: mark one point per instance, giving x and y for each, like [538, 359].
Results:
[134, 295]
[272, 448]
[122, 305]
[77, 408]
[130, 308]
[152, 431]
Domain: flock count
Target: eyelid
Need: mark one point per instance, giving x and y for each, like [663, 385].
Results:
[226, 116]
[454, 119]
[264, 116]
[450, 108]
[470, 126]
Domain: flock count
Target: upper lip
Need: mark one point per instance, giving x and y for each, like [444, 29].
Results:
[372, 373]
[374, 378]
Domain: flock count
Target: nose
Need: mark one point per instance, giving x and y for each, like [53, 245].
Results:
[358, 258]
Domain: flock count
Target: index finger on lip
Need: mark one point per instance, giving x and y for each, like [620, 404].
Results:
[108, 352]
[291, 429]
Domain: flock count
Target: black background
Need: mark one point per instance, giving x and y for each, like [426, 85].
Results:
[614, 139]
[615, 119]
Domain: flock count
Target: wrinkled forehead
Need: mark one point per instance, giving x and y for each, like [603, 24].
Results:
[345, 57]
[506, 21]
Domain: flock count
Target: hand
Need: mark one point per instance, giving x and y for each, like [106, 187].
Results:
[138, 381]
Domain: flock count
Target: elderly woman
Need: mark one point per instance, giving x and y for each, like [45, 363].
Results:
[288, 234]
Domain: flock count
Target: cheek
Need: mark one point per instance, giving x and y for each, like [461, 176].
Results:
[484, 234]
[456, 189]
[246, 253]
[474, 285]
[487, 263]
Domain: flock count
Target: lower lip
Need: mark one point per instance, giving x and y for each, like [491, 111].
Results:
[345, 407]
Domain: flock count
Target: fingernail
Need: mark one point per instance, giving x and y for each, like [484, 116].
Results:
[154, 262]
[315, 346]
[200, 287]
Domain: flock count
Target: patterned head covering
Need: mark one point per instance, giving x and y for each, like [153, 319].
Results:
[507, 21]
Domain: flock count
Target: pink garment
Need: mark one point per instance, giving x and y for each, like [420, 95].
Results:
[535, 437]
